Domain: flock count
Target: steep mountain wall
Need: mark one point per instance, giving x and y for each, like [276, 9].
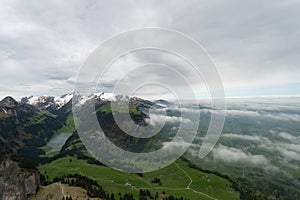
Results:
[17, 183]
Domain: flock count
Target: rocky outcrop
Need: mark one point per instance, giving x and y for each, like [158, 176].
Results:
[10, 107]
[17, 183]
[8, 102]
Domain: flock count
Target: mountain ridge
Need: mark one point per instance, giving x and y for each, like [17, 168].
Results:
[50, 103]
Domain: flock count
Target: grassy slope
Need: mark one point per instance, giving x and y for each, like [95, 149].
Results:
[133, 108]
[68, 126]
[174, 180]
[40, 117]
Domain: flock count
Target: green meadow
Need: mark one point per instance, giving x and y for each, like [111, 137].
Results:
[177, 179]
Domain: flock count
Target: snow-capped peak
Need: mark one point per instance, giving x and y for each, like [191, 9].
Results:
[37, 99]
[46, 102]
[101, 96]
[63, 100]
[107, 96]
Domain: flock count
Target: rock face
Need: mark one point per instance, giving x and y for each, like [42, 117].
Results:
[17, 183]
[11, 107]
[9, 102]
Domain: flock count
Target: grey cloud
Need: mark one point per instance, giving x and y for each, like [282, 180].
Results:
[286, 150]
[250, 46]
[258, 41]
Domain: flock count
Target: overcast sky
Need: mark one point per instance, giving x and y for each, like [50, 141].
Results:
[254, 44]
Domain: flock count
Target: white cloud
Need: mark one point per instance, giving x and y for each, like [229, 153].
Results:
[160, 119]
[229, 154]
[289, 137]
[176, 144]
[243, 113]
[288, 154]
[260, 113]
[284, 117]
[243, 137]
[285, 150]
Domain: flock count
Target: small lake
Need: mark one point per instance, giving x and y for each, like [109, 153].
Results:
[57, 142]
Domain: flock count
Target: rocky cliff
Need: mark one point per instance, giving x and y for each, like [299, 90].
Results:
[17, 183]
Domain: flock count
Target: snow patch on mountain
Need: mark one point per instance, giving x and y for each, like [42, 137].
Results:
[108, 96]
[45, 102]
[51, 102]
[63, 100]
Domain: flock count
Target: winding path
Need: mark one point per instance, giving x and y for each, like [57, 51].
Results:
[62, 190]
[188, 187]
[191, 180]
[174, 189]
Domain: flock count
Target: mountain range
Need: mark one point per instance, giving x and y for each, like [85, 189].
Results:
[27, 126]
